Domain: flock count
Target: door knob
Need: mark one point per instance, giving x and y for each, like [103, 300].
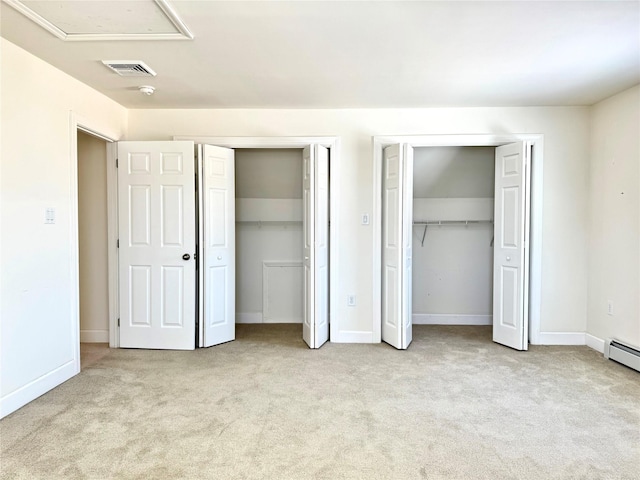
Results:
[186, 256]
[219, 257]
[508, 259]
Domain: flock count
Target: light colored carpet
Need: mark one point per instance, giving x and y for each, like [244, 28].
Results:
[454, 406]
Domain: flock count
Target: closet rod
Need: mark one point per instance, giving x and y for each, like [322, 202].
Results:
[450, 222]
[447, 222]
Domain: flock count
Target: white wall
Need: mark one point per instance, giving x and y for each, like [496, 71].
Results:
[614, 266]
[269, 192]
[566, 131]
[39, 326]
[92, 233]
[453, 264]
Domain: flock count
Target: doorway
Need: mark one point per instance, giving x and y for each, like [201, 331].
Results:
[394, 169]
[92, 242]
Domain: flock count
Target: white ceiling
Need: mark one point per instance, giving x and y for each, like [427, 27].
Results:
[332, 54]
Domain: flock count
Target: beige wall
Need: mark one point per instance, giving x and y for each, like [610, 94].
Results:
[269, 173]
[566, 177]
[92, 233]
[38, 345]
[614, 254]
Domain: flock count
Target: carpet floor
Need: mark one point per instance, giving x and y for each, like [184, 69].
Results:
[453, 406]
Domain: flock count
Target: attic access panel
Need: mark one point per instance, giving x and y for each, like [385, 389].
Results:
[105, 20]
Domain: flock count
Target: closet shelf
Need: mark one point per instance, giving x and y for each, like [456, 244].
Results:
[270, 222]
[443, 223]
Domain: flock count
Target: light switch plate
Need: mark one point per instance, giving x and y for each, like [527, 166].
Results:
[50, 215]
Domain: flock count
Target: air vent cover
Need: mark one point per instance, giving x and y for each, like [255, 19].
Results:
[130, 68]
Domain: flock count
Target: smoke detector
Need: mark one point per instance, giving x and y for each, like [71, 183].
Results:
[147, 89]
[129, 68]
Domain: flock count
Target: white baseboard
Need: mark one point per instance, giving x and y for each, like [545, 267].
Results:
[596, 343]
[562, 338]
[451, 319]
[18, 398]
[253, 317]
[281, 320]
[94, 336]
[257, 317]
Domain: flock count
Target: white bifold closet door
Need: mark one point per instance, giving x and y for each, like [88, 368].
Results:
[217, 245]
[511, 252]
[315, 325]
[157, 245]
[397, 226]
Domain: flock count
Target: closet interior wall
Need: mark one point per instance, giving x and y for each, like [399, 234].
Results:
[453, 263]
[92, 239]
[269, 274]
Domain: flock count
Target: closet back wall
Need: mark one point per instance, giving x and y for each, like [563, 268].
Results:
[452, 270]
[269, 240]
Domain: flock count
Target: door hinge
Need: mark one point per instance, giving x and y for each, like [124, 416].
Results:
[118, 243]
[116, 163]
[118, 322]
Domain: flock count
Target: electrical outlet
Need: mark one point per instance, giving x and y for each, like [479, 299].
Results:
[609, 307]
[351, 300]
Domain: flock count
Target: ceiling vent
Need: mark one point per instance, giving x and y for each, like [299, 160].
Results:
[129, 68]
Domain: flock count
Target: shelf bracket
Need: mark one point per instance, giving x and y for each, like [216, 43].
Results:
[424, 234]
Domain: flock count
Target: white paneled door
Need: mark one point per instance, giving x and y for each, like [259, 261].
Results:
[217, 238]
[511, 257]
[315, 326]
[397, 225]
[157, 245]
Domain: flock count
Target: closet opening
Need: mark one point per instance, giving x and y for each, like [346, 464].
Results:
[452, 236]
[321, 155]
[491, 282]
[269, 238]
[264, 240]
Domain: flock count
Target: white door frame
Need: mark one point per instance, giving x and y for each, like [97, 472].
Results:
[333, 144]
[77, 122]
[465, 140]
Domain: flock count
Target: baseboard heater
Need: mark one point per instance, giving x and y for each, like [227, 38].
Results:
[621, 353]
